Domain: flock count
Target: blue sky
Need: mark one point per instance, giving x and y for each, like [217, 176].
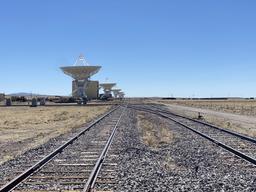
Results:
[200, 48]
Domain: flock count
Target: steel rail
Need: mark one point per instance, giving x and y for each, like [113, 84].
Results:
[228, 148]
[16, 181]
[89, 186]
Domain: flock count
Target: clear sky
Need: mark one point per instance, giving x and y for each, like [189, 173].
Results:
[200, 48]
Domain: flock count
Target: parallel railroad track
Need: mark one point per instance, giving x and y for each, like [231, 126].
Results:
[240, 145]
[79, 164]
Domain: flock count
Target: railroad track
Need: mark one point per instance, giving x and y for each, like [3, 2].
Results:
[83, 163]
[240, 145]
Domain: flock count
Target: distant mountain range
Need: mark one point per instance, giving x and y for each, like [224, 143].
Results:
[24, 94]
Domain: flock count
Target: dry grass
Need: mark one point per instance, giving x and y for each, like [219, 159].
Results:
[23, 128]
[153, 133]
[168, 163]
[241, 107]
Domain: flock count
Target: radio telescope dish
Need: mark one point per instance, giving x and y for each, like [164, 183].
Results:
[107, 89]
[115, 92]
[81, 71]
[107, 86]
[121, 95]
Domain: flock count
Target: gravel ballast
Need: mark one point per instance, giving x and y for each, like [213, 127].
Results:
[189, 163]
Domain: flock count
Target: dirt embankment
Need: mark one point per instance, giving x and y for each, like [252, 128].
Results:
[23, 128]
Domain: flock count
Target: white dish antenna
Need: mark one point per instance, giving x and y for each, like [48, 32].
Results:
[116, 92]
[107, 86]
[81, 71]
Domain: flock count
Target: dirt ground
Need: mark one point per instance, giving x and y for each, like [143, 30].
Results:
[23, 128]
[240, 107]
[244, 124]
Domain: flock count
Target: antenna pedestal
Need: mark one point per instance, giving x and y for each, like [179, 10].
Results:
[79, 90]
